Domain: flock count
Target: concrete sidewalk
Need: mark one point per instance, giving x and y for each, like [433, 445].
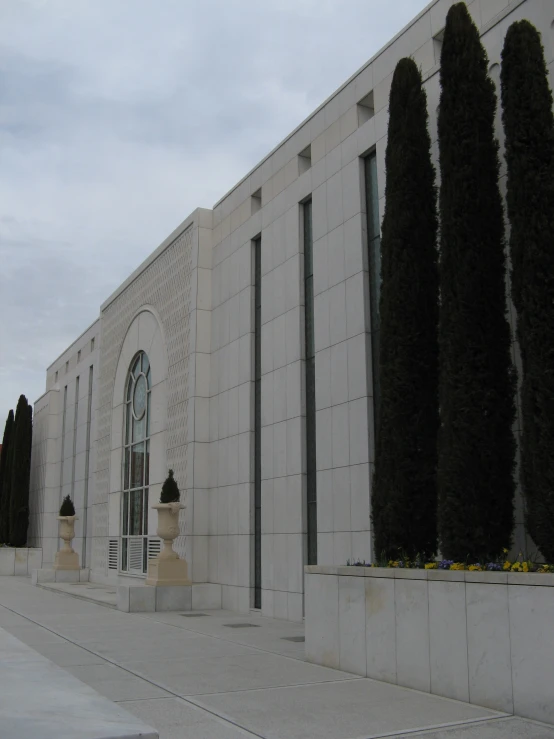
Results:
[223, 676]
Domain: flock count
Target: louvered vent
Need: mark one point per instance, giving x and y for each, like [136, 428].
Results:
[113, 554]
[154, 547]
[135, 553]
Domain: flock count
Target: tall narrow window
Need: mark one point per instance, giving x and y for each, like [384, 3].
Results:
[311, 472]
[74, 451]
[257, 246]
[87, 466]
[64, 412]
[134, 514]
[374, 247]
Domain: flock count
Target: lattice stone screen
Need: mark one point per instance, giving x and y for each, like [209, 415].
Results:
[166, 285]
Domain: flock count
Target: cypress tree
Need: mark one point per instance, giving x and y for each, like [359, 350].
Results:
[5, 479]
[170, 490]
[476, 381]
[529, 128]
[404, 495]
[20, 473]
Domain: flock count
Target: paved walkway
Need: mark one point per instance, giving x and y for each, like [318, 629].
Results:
[228, 676]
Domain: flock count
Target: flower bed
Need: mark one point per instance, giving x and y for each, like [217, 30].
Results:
[480, 636]
[518, 565]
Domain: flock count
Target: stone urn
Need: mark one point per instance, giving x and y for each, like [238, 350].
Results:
[168, 568]
[67, 558]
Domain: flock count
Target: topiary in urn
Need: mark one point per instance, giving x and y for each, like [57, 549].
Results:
[168, 568]
[67, 558]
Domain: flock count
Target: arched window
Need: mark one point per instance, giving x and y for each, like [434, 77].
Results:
[134, 518]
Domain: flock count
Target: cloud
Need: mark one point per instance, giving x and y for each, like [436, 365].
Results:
[117, 119]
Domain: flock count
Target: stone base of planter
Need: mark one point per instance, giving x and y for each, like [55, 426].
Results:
[144, 599]
[51, 575]
[66, 560]
[167, 572]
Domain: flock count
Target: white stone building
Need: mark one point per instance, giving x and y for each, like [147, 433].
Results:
[244, 347]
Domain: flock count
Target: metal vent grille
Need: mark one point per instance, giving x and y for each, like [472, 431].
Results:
[241, 626]
[113, 554]
[154, 547]
[193, 615]
[135, 553]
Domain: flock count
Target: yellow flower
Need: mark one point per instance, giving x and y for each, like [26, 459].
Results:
[516, 567]
[525, 567]
[505, 551]
[457, 566]
[431, 566]
[507, 565]
[475, 568]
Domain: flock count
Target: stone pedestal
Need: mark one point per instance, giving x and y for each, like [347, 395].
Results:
[168, 568]
[167, 572]
[67, 558]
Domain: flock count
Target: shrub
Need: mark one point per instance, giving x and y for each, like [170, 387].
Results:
[476, 448]
[404, 496]
[529, 127]
[67, 508]
[5, 479]
[20, 473]
[170, 491]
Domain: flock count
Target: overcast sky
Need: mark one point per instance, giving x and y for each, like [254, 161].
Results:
[119, 117]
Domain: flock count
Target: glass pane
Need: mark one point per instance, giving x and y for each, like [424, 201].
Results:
[129, 387]
[137, 465]
[125, 515]
[375, 280]
[145, 364]
[145, 513]
[136, 366]
[135, 518]
[124, 560]
[308, 240]
[139, 427]
[127, 423]
[145, 555]
[309, 316]
[126, 469]
[372, 197]
[147, 464]
[139, 397]
[148, 415]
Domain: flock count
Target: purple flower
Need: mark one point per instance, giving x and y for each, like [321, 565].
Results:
[445, 564]
[493, 567]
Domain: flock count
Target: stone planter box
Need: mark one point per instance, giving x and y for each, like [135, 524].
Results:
[20, 561]
[480, 637]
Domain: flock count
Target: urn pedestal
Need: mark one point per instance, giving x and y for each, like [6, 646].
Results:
[67, 558]
[168, 568]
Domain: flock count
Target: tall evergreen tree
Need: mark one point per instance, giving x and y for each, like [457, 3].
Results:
[21, 469]
[529, 128]
[404, 496]
[476, 381]
[5, 480]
